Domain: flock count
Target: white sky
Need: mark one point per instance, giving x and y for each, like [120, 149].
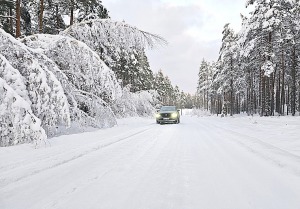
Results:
[193, 29]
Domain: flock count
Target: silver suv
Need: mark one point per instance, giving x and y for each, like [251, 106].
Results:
[168, 114]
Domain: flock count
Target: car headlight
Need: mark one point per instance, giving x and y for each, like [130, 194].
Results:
[174, 115]
[157, 115]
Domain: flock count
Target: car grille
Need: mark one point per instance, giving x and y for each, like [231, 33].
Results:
[165, 115]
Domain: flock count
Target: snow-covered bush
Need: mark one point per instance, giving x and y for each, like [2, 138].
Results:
[17, 122]
[199, 112]
[135, 104]
[125, 106]
[146, 102]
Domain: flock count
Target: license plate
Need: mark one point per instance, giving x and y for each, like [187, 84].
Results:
[166, 118]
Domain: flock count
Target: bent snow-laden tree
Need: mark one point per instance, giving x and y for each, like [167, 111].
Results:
[46, 95]
[116, 43]
[90, 84]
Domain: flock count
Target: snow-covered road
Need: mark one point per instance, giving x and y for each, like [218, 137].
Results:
[205, 163]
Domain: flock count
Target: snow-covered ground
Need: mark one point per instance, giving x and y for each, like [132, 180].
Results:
[203, 162]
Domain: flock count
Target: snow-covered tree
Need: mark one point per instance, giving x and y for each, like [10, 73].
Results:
[17, 122]
[46, 94]
[91, 85]
[204, 79]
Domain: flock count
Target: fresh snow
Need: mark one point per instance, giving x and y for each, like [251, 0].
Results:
[204, 162]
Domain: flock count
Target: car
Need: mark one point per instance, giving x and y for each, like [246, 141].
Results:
[168, 114]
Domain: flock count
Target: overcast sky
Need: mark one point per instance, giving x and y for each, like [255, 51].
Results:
[193, 29]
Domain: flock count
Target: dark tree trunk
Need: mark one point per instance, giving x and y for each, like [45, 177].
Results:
[207, 100]
[57, 17]
[293, 89]
[262, 94]
[288, 100]
[231, 98]
[18, 18]
[282, 84]
[41, 14]
[272, 94]
[72, 13]
[267, 96]
[231, 89]
[278, 102]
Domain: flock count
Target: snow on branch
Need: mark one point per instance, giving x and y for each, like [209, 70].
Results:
[3, 16]
[18, 124]
[82, 66]
[105, 31]
[268, 68]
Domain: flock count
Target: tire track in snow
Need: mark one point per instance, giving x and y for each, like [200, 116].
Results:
[6, 181]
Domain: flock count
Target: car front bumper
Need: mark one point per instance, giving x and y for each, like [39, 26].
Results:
[166, 120]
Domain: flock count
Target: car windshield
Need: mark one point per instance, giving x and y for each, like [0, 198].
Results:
[168, 108]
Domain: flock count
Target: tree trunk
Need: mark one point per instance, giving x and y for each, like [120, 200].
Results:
[11, 24]
[278, 102]
[269, 80]
[282, 84]
[272, 93]
[267, 96]
[18, 18]
[57, 17]
[231, 98]
[72, 12]
[252, 95]
[262, 94]
[288, 100]
[207, 100]
[299, 99]
[41, 14]
[293, 89]
[231, 89]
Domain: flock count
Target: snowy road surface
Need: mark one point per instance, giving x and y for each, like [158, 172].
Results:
[205, 163]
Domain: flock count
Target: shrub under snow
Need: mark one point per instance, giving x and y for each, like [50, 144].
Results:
[135, 104]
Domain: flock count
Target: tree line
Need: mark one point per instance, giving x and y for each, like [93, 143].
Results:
[26, 17]
[257, 71]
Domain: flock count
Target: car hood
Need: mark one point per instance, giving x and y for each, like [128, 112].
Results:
[166, 111]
